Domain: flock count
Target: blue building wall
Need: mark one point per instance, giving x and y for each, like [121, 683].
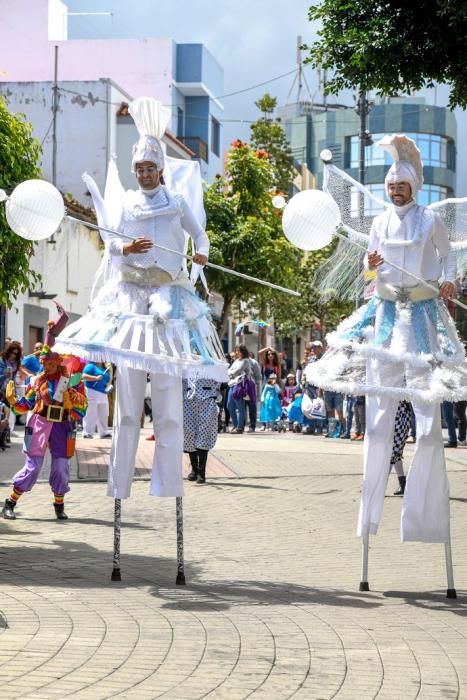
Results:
[199, 79]
[433, 128]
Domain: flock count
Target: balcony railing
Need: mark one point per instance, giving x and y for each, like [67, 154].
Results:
[197, 145]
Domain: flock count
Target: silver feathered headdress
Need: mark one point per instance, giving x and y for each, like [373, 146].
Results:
[151, 120]
[407, 166]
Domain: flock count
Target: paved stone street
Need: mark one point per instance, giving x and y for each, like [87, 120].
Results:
[271, 608]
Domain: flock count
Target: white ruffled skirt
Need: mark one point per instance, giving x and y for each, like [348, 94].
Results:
[164, 329]
[400, 349]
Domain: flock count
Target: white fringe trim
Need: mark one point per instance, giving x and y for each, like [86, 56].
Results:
[153, 364]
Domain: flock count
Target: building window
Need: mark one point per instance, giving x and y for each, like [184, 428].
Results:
[435, 150]
[371, 208]
[215, 137]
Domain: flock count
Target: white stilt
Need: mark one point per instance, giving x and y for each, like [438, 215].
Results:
[451, 591]
[116, 576]
[365, 547]
[180, 580]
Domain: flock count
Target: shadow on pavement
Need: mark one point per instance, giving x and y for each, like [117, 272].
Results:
[221, 596]
[433, 600]
[85, 521]
[64, 563]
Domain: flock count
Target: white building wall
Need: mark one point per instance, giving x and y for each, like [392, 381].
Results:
[67, 267]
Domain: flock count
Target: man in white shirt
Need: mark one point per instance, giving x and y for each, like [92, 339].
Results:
[402, 345]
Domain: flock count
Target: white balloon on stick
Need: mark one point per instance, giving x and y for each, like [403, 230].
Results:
[35, 210]
[310, 219]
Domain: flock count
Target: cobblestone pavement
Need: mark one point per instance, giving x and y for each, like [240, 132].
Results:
[271, 608]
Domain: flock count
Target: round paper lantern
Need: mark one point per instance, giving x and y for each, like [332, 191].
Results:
[35, 210]
[310, 219]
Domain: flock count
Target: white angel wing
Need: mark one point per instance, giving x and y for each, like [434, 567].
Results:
[454, 215]
[341, 276]
[453, 212]
[109, 213]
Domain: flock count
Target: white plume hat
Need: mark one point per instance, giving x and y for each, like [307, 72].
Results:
[151, 120]
[407, 166]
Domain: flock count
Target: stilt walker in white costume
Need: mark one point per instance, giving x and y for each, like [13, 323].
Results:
[147, 317]
[402, 345]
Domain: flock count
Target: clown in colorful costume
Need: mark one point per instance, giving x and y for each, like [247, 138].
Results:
[402, 345]
[147, 317]
[54, 409]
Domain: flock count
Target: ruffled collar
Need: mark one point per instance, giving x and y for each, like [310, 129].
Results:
[140, 204]
[409, 218]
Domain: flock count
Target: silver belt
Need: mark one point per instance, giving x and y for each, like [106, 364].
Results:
[403, 294]
[145, 277]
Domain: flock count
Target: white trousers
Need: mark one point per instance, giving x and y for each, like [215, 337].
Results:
[425, 508]
[167, 414]
[97, 413]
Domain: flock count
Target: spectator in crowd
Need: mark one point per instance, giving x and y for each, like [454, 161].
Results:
[459, 409]
[271, 409]
[4, 423]
[289, 390]
[269, 361]
[224, 389]
[252, 405]
[10, 363]
[30, 365]
[96, 378]
[199, 424]
[315, 350]
[334, 403]
[349, 412]
[317, 415]
[451, 412]
[238, 370]
[360, 421]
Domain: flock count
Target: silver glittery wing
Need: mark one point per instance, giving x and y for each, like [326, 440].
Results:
[341, 276]
[453, 212]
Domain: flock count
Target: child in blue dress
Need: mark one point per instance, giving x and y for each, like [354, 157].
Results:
[271, 409]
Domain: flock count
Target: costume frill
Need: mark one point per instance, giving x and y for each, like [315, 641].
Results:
[411, 348]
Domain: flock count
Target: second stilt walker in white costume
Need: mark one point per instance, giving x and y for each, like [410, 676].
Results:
[147, 317]
[402, 345]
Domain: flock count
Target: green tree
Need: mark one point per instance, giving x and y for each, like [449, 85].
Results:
[19, 155]
[267, 134]
[245, 231]
[392, 47]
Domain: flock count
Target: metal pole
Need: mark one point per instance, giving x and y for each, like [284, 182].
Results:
[54, 118]
[451, 591]
[362, 112]
[189, 257]
[180, 580]
[116, 575]
[364, 580]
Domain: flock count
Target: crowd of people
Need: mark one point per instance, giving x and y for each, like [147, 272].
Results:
[287, 401]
